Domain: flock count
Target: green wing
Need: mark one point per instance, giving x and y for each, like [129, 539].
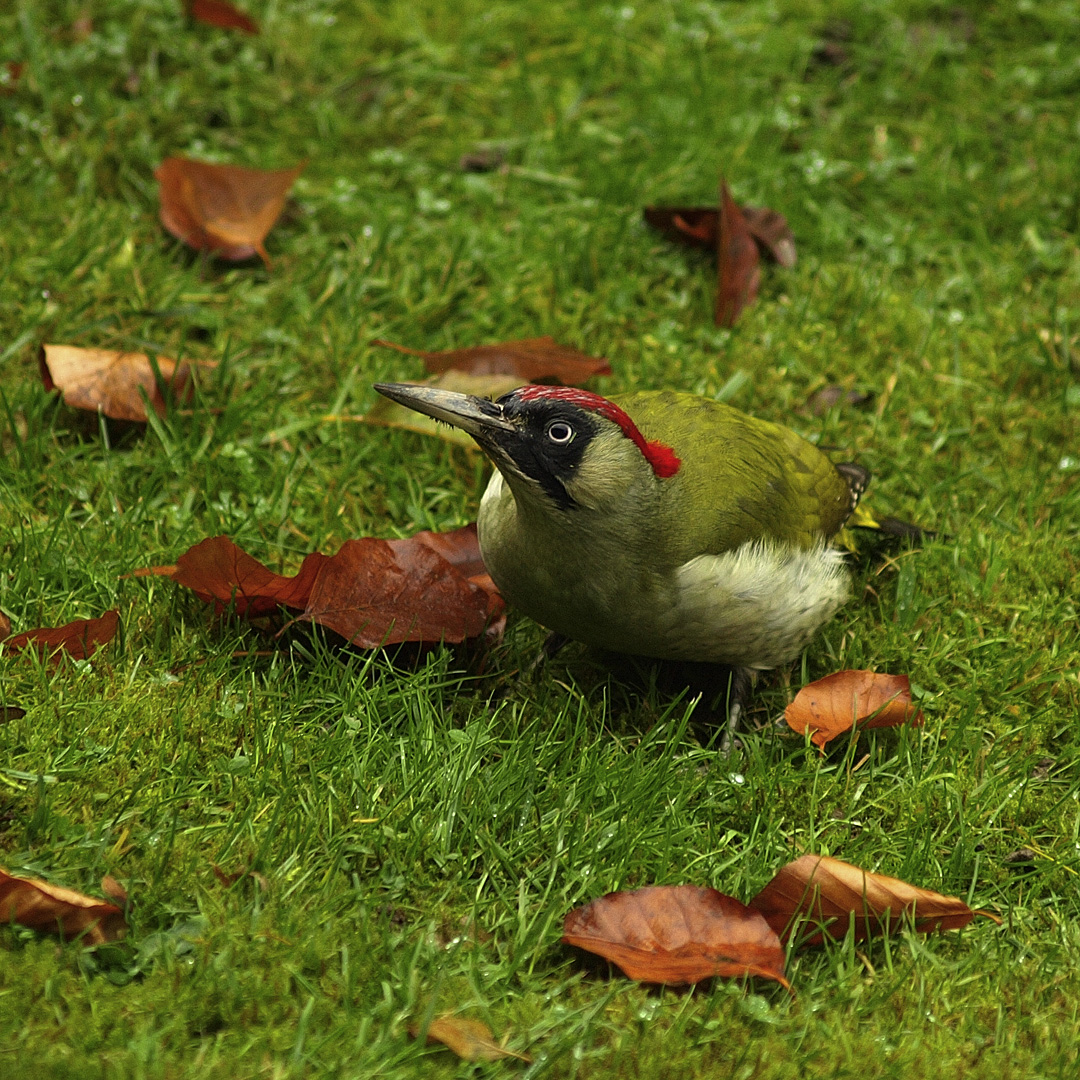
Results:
[740, 479]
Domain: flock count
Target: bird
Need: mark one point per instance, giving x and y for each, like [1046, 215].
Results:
[657, 523]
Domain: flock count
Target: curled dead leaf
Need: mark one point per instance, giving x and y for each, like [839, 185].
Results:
[114, 890]
[114, 382]
[738, 262]
[829, 895]
[699, 226]
[471, 1040]
[79, 639]
[222, 208]
[834, 705]
[41, 906]
[529, 360]
[677, 934]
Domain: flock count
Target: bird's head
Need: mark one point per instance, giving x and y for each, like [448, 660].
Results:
[556, 445]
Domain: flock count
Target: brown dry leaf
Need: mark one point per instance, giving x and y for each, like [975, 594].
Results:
[387, 413]
[222, 208]
[699, 226]
[222, 14]
[835, 704]
[79, 639]
[114, 890]
[430, 587]
[828, 397]
[738, 262]
[41, 906]
[5, 626]
[529, 360]
[114, 382]
[677, 934]
[471, 1040]
[832, 895]
[11, 712]
[217, 571]
[382, 592]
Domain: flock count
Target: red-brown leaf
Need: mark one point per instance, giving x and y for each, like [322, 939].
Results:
[5, 626]
[217, 571]
[381, 592]
[677, 934]
[540, 359]
[738, 262]
[78, 639]
[832, 895]
[222, 208]
[772, 233]
[41, 906]
[833, 705]
[222, 14]
[114, 382]
[430, 587]
[699, 226]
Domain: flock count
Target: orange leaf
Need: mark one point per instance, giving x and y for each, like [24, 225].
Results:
[539, 359]
[217, 571]
[223, 14]
[113, 382]
[677, 934]
[222, 208]
[41, 906]
[471, 1040]
[835, 704]
[738, 269]
[833, 895]
[381, 592]
[78, 639]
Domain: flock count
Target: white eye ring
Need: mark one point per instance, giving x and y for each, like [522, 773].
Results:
[559, 431]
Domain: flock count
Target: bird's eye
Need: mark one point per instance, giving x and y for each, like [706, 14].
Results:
[560, 432]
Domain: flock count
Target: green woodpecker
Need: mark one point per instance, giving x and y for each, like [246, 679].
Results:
[656, 523]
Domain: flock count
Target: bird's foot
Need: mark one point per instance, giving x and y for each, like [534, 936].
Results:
[739, 688]
[553, 643]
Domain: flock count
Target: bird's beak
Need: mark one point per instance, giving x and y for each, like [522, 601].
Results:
[482, 419]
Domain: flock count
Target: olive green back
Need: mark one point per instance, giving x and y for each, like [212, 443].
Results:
[741, 478]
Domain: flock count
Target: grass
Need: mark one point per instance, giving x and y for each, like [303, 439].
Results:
[422, 829]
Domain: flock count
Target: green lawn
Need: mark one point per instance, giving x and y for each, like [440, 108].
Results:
[423, 824]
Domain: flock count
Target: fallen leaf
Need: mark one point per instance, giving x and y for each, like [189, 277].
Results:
[831, 895]
[41, 906]
[222, 14]
[5, 626]
[10, 74]
[222, 208]
[114, 890]
[530, 360]
[738, 262]
[381, 592]
[699, 226]
[773, 234]
[841, 701]
[427, 588]
[219, 572]
[79, 639]
[387, 413]
[828, 397]
[677, 934]
[114, 382]
[11, 712]
[471, 1040]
